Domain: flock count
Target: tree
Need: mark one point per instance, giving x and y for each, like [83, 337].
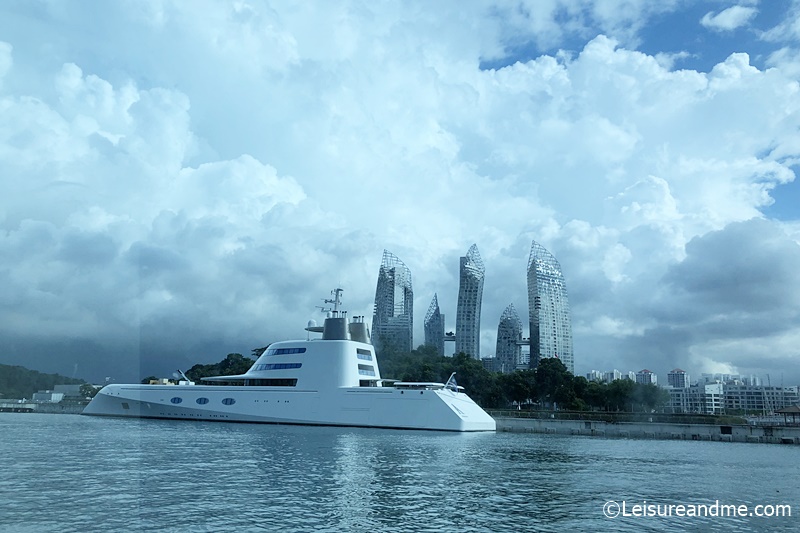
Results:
[233, 364]
[480, 384]
[649, 397]
[620, 395]
[519, 386]
[88, 390]
[596, 395]
[257, 352]
[554, 382]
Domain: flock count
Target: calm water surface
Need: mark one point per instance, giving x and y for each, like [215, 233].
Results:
[76, 473]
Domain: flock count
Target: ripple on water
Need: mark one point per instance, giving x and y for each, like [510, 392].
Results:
[73, 473]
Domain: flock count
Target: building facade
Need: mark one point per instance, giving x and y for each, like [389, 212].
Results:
[731, 398]
[646, 377]
[468, 310]
[705, 399]
[393, 317]
[434, 327]
[758, 399]
[550, 323]
[491, 364]
[678, 378]
[594, 375]
[508, 351]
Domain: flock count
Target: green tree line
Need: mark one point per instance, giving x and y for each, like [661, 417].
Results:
[549, 385]
[18, 382]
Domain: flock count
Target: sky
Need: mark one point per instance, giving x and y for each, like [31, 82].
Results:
[180, 180]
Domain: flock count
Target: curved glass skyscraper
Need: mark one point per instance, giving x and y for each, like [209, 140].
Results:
[468, 312]
[509, 337]
[551, 330]
[393, 318]
[434, 327]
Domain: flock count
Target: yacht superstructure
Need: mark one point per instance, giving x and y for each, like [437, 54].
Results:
[333, 380]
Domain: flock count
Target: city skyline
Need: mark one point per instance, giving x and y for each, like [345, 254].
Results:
[163, 209]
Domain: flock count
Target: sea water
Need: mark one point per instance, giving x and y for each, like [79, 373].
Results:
[74, 473]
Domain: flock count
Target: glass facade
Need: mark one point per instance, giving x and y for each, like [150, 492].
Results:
[551, 329]
[393, 318]
[468, 312]
[509, 336]
[434, 327]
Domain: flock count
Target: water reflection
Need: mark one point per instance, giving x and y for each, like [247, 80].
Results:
[132, 475]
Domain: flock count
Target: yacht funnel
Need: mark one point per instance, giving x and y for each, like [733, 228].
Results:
[358, 330]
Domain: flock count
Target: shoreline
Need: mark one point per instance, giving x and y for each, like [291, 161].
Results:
[653, 430]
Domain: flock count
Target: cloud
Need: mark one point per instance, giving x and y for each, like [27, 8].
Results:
[198, 183]
[788, 29]
[729, 19]
[747, 267]
[5, 60]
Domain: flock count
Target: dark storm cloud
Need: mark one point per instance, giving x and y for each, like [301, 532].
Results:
[745, 269]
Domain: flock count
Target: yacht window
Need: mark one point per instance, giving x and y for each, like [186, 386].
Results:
[176, 400]
[366, 370]
[277, 366]
[284, 351]
[287, 382]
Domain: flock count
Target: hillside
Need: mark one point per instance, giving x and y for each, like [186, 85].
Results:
[19, 382]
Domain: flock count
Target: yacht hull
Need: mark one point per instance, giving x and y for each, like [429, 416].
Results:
[375, 407]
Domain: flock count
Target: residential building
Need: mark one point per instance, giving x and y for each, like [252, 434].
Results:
[594, 375]
[646, 377]
[731, 398]
[678, 378]
[612, 375]
[491, 364]
[393, 318]
[706, 399]
[550, 325]
[468, 310]
[434, 327]
[509, 341]
[755, 399]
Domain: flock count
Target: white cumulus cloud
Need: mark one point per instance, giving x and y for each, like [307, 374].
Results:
[729, 19]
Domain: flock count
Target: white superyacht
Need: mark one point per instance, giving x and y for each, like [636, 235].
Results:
[333, 381]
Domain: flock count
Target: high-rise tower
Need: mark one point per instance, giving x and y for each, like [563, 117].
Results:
[434, 327]
[393, 318]
[509, 338]
[551, 330]
[468, 312]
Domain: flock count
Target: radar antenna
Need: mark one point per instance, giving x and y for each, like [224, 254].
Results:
[336, 301]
